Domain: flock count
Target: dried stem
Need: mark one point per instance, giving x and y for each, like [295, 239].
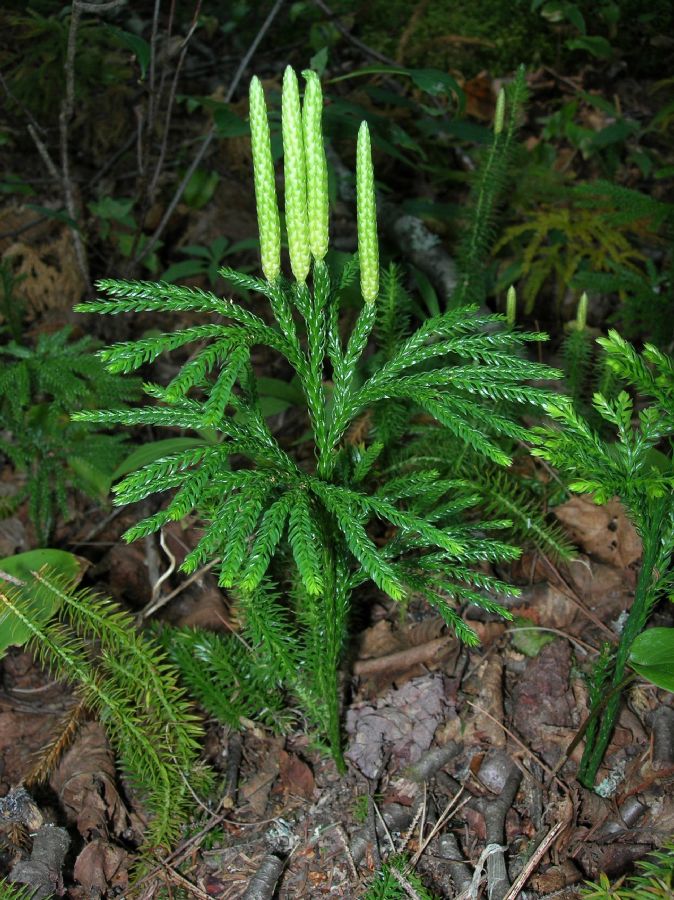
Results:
[180, 190]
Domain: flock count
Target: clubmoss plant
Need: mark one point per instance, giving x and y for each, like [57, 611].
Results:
[296, 540]
[129, 682]
[640, 475]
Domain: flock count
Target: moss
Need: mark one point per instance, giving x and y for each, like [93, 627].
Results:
[466, 37]
[489, 34]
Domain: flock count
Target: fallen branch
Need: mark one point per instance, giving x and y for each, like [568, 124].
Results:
[402, 659]
[262, 885]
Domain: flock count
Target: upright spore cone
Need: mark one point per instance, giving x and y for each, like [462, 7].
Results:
[368, 246]
[317, 167]
[295, 171]
[265, 184]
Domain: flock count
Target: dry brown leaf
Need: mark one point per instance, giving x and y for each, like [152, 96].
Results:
[404, 720]
[256, 789]
[485, 686]
[296, 777]
[550, 606]
[101, 868]
[543, 705]
[85, 783]
[606, 590]
[12, 537]
[604, 532]
[22, 734]
[423, 632]
[378, 640]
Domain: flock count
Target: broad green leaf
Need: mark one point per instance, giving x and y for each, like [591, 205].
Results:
[59, 215]
[96, 482]
[148, 453]
[597, 46]
[186, 268]
[430, 81]
[652, 656]
[228, 124]
[527, 638]
[137, 45]
[281, 390]
[200, 188]
[42, 605]
[319, 61]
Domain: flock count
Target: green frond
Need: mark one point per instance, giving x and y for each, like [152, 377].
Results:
[225, 676]
[241, 513]
[266, 542]
[489, 182]
[163, 474]
[270, 630]
[358, 541]
[9, 891]
[135, 692]
[131, 355]
[364, 458]
[214, 409]
[311, 521]
[504, 493]
[305, 541]
[386, 886]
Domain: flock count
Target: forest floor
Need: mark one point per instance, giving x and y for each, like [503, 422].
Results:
[446, 746]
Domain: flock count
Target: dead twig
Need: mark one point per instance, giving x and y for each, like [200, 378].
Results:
[404, 883]
[402, 659]
[432, 761]
[352, 39]
[495, 811]
[162, 601]
[170, 874]
[65, 117]
[530, 753]
[180, 190]
[234, 755]
[537, 856]
[566, 589]
[448, 849]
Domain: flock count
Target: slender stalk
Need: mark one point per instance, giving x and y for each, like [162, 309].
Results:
[335, 602]
[595, 746]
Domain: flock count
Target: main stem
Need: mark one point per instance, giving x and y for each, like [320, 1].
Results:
[599, 735]
[335, 607]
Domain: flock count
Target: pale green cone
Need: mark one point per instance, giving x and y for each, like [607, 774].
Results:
[295, 177]
[368, 246]
[499, 116]
[317, 167]
[265, 184]
[511, 306]
[581, 315]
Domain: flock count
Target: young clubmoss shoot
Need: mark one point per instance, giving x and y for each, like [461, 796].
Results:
[511, 306]
[295, 177]
[499, 115]
[317, 167]
[265, 184]
[368, 247]
[581, 315]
